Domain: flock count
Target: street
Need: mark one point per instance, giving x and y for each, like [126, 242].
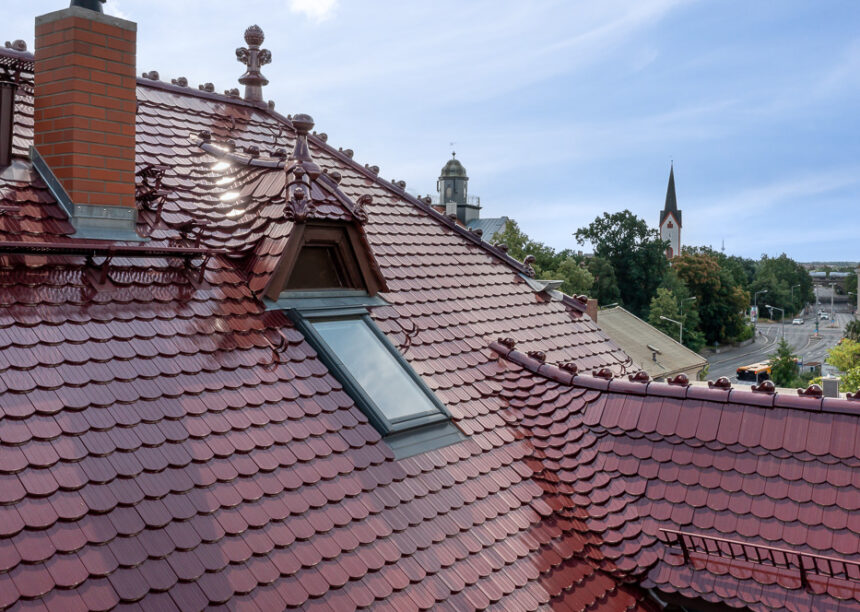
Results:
[801, 338]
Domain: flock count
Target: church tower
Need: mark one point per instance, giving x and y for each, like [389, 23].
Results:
[670, 219]
[453, 192]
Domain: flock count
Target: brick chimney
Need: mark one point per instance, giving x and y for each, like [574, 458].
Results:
[591, 309]
[85, 109]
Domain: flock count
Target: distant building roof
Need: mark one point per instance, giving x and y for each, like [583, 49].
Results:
[453, 168]
[636, 337]
[490, 226]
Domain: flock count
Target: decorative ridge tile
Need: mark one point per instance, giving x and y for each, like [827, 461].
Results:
[660, 389]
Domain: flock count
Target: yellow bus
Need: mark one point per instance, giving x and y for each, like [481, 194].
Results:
[755, 372]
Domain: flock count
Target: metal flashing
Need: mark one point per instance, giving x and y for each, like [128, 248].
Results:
[550, 287]
[54, 186]
[430, 437]
[329, 301]
[116, 223]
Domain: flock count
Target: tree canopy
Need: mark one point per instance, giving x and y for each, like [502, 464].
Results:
[673, 300]
[845, 357]
[788, 284]
[549, 264]
[629, 267]
[783, 366]
[720, 302]
[635, 252]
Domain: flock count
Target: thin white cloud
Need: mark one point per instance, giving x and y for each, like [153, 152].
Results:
[315, 10]
[766, 197]
[114, 8]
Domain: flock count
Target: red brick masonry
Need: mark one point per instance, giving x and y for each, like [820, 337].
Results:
[86, 105]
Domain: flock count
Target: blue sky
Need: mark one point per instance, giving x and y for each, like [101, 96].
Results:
[561, 110]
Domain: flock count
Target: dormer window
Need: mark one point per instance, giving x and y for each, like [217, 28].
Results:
[324, 255]
[318, 267]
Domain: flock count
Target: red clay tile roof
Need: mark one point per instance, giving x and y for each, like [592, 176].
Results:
[163, 437]
[628, 460]
[167, 438]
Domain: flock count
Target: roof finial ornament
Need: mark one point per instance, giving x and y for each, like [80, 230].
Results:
[301, 173]
[254, 58]
[92, 5]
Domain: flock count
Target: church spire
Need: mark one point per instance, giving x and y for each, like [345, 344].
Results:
[670, 218]
[671, 199]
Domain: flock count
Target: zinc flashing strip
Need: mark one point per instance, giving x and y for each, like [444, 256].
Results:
[116, 223]
[54, 186]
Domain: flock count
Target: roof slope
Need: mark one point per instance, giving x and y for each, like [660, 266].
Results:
[631, 459]
[163, 437]
[635, 336]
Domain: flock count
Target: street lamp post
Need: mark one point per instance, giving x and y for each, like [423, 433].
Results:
[832, 292]
[755, 306]
[792, 294]
[781, 311]
[681, 334]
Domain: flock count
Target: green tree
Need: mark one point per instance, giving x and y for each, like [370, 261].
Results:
[549, 264]
[783, 366]
[635, 252]
[688, 306]
[852, 330]
[788, 284]
[577, 279]
[845, 357]
[851, 285]
[720, 302]
[605, 287]
[741, 269]
[667, 304]
[520, 245]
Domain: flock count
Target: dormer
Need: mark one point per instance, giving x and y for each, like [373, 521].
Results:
[327, 250]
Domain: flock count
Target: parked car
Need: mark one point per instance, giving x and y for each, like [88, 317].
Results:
[797, 322]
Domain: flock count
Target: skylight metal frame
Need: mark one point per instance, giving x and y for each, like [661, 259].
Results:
[304, 321]
[407, 436]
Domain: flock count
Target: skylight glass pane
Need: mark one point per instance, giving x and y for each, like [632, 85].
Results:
[373, 366]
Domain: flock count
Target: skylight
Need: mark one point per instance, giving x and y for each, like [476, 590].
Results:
[362, 353]
[393, 397]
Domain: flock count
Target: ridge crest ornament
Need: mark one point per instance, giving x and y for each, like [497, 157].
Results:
[254, 58]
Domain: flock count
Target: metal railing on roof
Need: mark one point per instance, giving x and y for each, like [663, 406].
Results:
[470, 200]
[758, 554]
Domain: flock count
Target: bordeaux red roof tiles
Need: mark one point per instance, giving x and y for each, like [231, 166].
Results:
[632, 459]
[166, 442]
